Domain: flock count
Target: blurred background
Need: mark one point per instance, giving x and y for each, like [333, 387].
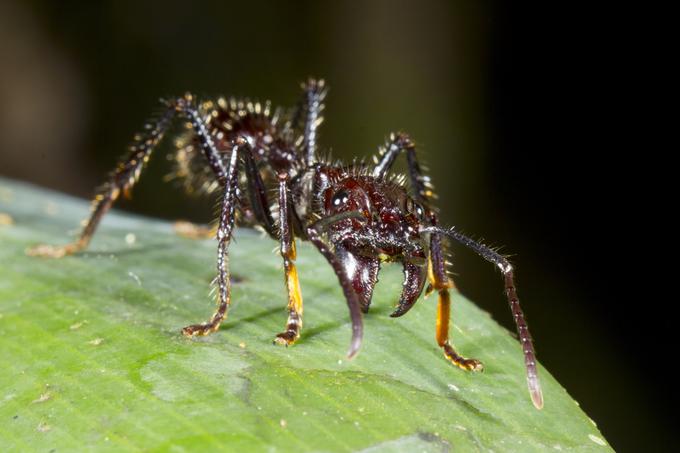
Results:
[515, 108]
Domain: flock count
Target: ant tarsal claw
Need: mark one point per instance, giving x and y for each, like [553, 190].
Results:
[200, 330]
[460, 361]
[286, 338]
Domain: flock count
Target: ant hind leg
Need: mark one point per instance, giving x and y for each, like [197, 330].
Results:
[122, 180]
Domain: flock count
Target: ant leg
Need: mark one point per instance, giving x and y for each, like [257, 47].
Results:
[442, 283]
[314, 235]
[511, 292]
[256, 188]
[228, 177]
[257, 193]
[288, 254]
[121, 180]
[224, 232]
[421, 185]
[396, 144]
[312, 107]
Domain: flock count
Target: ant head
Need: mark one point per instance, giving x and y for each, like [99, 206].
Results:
[383, 211]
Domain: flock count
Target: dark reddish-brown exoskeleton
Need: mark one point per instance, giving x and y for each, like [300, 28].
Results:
[357, 216]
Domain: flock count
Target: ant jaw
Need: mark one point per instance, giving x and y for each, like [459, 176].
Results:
[355, 345]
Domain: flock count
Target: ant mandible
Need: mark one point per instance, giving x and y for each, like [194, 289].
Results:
[355, 215]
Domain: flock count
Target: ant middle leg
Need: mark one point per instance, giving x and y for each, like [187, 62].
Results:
[311, 108]
[396, 144]
[224, 233]
[288, 253]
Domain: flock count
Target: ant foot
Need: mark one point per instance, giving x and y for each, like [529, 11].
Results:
[200, 330]
[286, 338]
[470, 365]
[460, 361]
[53, 251]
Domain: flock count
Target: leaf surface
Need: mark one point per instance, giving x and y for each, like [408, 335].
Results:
[92, 357]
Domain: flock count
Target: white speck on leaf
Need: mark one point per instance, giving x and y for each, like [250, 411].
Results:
[78, 325]
[43, 397]
[130, 238]
[135, 277]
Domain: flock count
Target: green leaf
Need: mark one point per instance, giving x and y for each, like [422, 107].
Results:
[92, 356]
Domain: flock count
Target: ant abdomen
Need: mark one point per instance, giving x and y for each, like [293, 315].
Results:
[271, 139]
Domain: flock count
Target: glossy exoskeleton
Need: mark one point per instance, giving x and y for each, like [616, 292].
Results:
[357, 216]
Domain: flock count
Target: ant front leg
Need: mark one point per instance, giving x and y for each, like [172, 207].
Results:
[122, 180]
[224, 233]
[288, 253]
[511, 293]
[440, 281]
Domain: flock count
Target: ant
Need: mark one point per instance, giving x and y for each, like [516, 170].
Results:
[355, 215]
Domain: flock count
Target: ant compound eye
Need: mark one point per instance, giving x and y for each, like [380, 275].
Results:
[414, 208]
[408, 204]
[340, 198]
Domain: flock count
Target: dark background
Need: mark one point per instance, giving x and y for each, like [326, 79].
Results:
[524, 113]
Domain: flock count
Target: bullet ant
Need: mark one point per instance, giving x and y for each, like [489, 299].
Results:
[357, 216]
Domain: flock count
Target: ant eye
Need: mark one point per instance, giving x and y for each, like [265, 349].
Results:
[340, 198]
[414, 208]
[408, 205]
